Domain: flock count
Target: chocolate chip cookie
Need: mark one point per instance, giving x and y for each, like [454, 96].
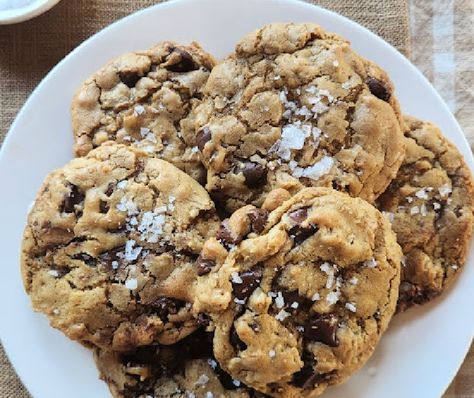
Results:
[294, 106]
[110, 245]
[186, 369]
[145, 98]
[430, 204]
[300, 296]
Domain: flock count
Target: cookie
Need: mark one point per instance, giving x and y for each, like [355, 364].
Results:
[109, 248]
[300, 296]
[184, 370]
[145, 98]
[430, 204]
[294, 106]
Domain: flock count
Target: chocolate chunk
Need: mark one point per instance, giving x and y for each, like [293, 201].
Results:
[255, 174]
[378, 89]
[104, 207]
[73, 198]
[185, 62]
[307, 377]
[203, 137]
[294, 297]
[258, 219]
[203, 319]
[298, 216]
[204, 266]
[165, 306]
[110, 256]
[300, 234]
[250, 280]
[110, 188]
[86, 258]
[226, 235]
[322, 329]
[129, 78]
[235, 340]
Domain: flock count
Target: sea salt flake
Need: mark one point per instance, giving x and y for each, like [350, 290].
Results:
[131, 253]
[328, 269]
[295, 305]
[315, 297]
[272, 353]
[336, 63]
[444, 190]
[372, 263]
[115, 264]
[421, 194]
[454, 267]
[202, 380]
[436, 206]
[139, 110]
[131, 284]
[127, 205]
[351, 307]
[346, 85]
[194, 149]
[354, 280]
[333, 297]
[56, 311]
[236, 278]
[144, 131]
[423, 210]
[279, 300]
[212, 363]
[409, 199]
[53, 273]
[282, 315]
[122, 184]
[209, 394]
[238, 301]
[271, 294]
[236, 383]
[414, 210]
[151, 225]
[191, 395]
[389, 216]
[319, 169]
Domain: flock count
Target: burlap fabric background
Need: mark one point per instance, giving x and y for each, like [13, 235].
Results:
[29, 50]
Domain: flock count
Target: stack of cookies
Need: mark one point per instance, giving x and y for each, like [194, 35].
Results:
[245, 228]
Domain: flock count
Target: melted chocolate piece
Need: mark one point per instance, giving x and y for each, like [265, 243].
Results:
[294, 297]
[258, 219]
[185, 62]
[226, 235]
[298, 216]
[235, 340]
[86, 258]
[204, 266]
[104, 207]
[255, 174]
[250, 281]
[203, 137]
[72, 199]
[322, 329]
[300, 234]
[378, 89]
[110, 188]
[165, 306]
[129, 78]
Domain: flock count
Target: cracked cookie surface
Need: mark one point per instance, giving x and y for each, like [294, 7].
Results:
[186, 369]
[109, 248]
[430, 204]
[145, 98]
[299, 296]
[294, 106]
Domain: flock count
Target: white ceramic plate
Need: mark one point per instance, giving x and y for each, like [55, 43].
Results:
[423, 349]
[23, 13]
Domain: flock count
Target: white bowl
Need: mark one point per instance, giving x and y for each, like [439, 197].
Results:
[20, 14]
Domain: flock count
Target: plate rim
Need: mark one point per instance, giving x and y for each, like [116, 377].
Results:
[7, 143]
